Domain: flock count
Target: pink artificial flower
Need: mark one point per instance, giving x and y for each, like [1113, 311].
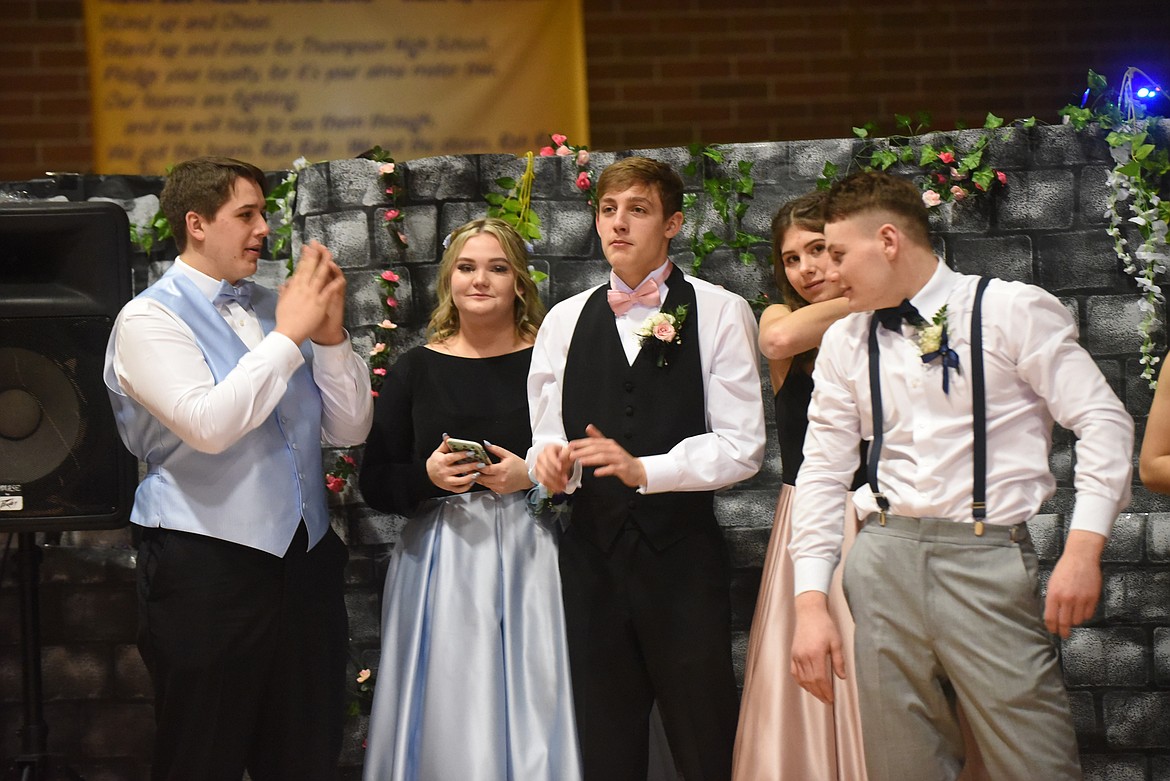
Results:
[958, 193]
[582, 158]
[363, 676]
[546, 151]
[386, 168]
[379, 347]
[392, 214]
[390, 276]
[947, 157]
[374, 393]
[1001, 176]
[334, 483]
[931, 198]
[958, 175]
[379, 371]
[980, 187]
[392, 301]
[386, 325]
[940, 178]
[559, 139]
[389, 190]
[564, 151]
[349, 460]
[664, 332]
[402, 237]
[583, 182]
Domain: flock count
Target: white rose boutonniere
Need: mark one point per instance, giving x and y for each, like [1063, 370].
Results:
[660, 331]
[934, 344]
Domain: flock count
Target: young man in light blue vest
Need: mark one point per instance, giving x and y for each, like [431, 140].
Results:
[225, 391]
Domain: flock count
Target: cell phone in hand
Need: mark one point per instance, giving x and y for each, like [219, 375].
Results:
[476, 453]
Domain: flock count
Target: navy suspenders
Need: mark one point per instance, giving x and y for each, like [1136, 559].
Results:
[978, 413]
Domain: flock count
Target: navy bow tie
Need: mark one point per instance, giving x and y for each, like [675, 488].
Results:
[241, 293]
[892, 317]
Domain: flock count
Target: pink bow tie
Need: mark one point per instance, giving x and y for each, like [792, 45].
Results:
[645, 295]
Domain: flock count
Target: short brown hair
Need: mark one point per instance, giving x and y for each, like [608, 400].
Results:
[878, 191]
[202, 185]
[626, 173]
[527, 309]
[806, 213]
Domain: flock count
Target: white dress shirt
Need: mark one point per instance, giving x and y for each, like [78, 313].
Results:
[1035, 372]
[733, 447]
[160, 365]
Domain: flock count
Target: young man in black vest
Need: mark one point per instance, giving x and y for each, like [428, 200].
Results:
[645, 399]
[956, 389]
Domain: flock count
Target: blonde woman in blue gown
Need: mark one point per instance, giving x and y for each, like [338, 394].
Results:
[473, 682]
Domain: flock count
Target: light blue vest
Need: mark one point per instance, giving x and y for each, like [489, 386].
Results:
[255, 492]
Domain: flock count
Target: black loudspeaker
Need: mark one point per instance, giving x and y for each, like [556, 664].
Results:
[64, 275]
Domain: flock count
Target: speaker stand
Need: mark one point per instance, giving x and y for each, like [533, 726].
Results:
[34, 763]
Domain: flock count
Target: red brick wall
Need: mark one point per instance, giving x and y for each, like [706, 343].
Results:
[667, 72]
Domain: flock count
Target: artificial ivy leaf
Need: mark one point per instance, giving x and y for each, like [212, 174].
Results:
[861, 132]
[713, 153]
[1143, 151]
[901, 120]
[829, 170]
[1097, 82]
[689, 200]
[494, 199]
[1029, 122]
[992, 121]
[745, 167]
[537, 275]
[512, 206]
[929, 155]
[1131, 169]
[506, 183]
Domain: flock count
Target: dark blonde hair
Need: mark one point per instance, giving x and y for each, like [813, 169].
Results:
[202, 185]
[878, 191]
[806, 213]
[528, 310]
[626, 173]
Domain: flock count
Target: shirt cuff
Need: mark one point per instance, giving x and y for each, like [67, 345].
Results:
[333, 355]
[661, 475]
[812, 574]
[1094, 514]
[282, 351]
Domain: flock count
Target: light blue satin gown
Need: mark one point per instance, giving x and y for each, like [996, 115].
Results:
[473, 682]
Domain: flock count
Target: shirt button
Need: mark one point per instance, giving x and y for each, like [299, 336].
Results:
[294, 447]
[629, 386]
[630, 410]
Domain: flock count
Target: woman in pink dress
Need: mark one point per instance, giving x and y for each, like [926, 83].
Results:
[785, 733]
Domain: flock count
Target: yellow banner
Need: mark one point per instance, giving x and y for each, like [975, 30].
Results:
[268, 81]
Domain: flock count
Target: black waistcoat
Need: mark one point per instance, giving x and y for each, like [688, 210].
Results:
[648, 409]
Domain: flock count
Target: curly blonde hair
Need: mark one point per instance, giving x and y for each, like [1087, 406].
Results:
[527, 309]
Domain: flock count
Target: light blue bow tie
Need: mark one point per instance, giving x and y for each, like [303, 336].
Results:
[241, 294]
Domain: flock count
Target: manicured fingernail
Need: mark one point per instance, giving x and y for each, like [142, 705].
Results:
[489, 444]
[475, 475]
[480, 466]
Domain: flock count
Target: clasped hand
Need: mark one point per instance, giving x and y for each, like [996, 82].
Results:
[451, 471]
[554, 464]
[312, 301]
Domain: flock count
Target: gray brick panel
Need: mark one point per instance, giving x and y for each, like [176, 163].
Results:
[807, 158]
[1003, 257]
[364, 616]
[117, 730]
[1114, 656]
[1137, 719]
[1080, 260]
[1084, 717]
[131, 680]
[355, 183]
[443, 178]
[1158, 537]
[1127, 542]
[313, 190]
[1091, 196]
[346, 234]
[745, 509]
[1136, 595]
[1036, 200]
[1112, 324]
[1113, 767]
[1138, 395]
[1047, 533]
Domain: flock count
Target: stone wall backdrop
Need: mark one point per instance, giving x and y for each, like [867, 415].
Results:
[1047, 227]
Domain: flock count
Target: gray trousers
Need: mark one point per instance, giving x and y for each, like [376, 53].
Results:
[943, 614]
